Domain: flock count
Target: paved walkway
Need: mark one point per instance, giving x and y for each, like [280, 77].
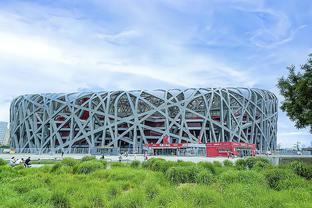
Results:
[113, 158]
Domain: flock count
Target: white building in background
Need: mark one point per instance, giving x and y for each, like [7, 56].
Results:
[4, 133]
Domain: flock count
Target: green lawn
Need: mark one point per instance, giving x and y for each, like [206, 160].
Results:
[156, 183]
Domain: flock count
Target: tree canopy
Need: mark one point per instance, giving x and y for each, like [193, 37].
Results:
[297, 91]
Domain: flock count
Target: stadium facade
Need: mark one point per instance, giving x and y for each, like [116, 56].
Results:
[86, 121]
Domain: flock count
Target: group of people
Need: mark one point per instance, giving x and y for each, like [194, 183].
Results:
[14, 162]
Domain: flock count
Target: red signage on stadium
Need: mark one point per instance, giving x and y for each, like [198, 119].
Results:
[223, 149]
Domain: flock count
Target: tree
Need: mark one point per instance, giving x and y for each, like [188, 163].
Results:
[297, 91]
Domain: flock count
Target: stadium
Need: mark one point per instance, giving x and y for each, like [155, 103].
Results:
[140, 120]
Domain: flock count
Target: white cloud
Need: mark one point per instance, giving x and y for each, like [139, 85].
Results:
[29, 48]
[147, 45]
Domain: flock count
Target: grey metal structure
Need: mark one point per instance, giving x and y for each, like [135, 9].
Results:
[128, 119]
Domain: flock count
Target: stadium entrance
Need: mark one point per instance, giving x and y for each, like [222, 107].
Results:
[165, 149]
[178, 149]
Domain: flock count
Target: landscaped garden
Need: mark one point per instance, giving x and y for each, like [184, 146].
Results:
[252, 182]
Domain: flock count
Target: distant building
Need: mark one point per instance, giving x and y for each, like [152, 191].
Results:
[4, 133]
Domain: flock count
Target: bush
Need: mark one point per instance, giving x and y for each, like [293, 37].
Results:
[135, 164]
[64, 166]
[204, 177]
[261, 165]
[68, 161]
[186, 174]
[217, 164]
[151, 188]
[89, 166]
[228, 163]
[301, 169]
[133, 199]
[182, 163]
[118, 164]
[198, 196]
[275, 177]
[208, 166]
[160, 165]
[38, 196]
[244, 176]
[88, 158]
[56, 166]
[60, 200]
[240, 164]
[2, 162]
[250, 162]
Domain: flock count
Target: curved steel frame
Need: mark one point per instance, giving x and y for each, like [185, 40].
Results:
[53, 122]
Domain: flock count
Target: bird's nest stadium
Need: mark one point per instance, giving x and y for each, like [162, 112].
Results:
[117, 121]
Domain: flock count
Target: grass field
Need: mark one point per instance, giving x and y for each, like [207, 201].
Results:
[251, 182]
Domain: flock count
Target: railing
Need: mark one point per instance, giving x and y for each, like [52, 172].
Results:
[80, 150]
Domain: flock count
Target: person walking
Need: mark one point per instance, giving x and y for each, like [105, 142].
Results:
[27, 163]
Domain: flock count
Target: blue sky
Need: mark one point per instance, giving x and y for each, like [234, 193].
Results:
[65, 46]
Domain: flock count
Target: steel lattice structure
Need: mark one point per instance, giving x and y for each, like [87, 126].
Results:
[129, 119]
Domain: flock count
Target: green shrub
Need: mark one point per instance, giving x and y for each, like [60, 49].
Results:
[118, 164]
[152, 188]
[158, 164]
[89, 166]
[182, 163]
[25, 184]
[204, 177]
[19, 167]
[242, 176]
[64, 166]
[217, 164]
[198, 196]
[60, 200]
[228, 163]
[240, 164]
[64, 170]
[301, 169]
[88, 158]
[187, 174]
[38, 196]
[275, 176]
[133, 199]
[56, 166]
[166, 197]
[3, 162]
[135, 164]
[261, 165]
[250, 162]
[208, 166]
[161, 165]
[68, 161]
[114, 189]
